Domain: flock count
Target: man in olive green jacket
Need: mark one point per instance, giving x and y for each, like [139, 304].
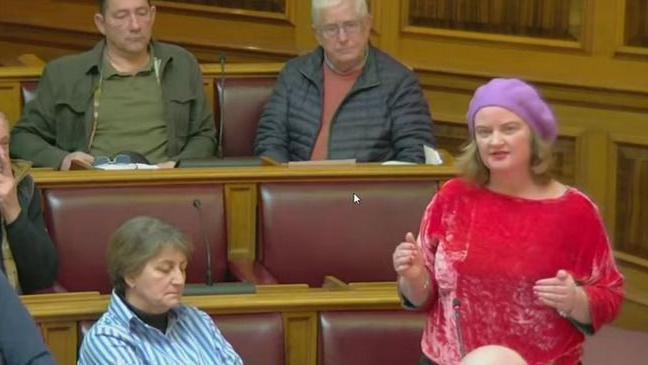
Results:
[128, 93]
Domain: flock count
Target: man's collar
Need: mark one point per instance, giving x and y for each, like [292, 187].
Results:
[312, 68]
[95, 55]
[331, 66]
[109, 70]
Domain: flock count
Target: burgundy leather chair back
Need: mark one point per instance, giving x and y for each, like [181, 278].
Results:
[258, 338]
[309, 230]
[243, 103]
[370, 337]
[82, 220]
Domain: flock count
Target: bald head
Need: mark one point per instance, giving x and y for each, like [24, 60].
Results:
[493, 355]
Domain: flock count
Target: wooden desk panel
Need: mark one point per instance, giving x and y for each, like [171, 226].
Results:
[47, 178]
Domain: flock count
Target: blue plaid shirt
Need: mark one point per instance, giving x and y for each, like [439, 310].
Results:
[120, 337]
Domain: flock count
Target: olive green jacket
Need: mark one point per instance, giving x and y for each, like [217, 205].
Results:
[60, 118]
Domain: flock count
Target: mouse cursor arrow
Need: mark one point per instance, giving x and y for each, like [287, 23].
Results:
[356, 199]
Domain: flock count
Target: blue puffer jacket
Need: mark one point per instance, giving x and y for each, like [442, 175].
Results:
[384, 117]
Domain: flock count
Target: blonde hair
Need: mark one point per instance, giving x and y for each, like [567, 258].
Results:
[136, 242]
[473, 168]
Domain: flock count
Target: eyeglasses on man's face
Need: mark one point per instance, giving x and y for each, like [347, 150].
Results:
[350, 28]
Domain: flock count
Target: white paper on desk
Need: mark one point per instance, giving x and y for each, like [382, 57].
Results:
[322, 163]
[432, 156]
[126, 166]
[398, 163]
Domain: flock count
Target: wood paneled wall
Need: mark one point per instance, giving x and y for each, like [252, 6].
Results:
[602, 48]
[54, 27]
[545, 18]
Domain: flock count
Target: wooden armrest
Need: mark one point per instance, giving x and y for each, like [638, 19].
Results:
[251, 272]
[333, 283]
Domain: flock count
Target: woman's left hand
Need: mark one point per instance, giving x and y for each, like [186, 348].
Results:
[559, 292]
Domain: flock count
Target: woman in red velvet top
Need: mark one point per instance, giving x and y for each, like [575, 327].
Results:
[507, 255]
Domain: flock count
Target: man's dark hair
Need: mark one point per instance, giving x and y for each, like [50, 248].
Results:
[103, 4]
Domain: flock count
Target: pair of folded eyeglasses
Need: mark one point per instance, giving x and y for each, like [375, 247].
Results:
[121, 158]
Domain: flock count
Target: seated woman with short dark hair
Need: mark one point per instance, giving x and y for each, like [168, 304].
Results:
[146, 322]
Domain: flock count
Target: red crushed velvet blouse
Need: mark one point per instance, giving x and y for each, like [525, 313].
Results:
[487, 250]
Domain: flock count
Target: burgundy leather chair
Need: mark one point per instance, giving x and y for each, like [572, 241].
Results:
[309, 230]
[243, 103]
[258, 338]
[82, 220]
[370, 337]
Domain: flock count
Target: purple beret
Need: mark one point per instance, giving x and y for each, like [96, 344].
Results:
[520, 98]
